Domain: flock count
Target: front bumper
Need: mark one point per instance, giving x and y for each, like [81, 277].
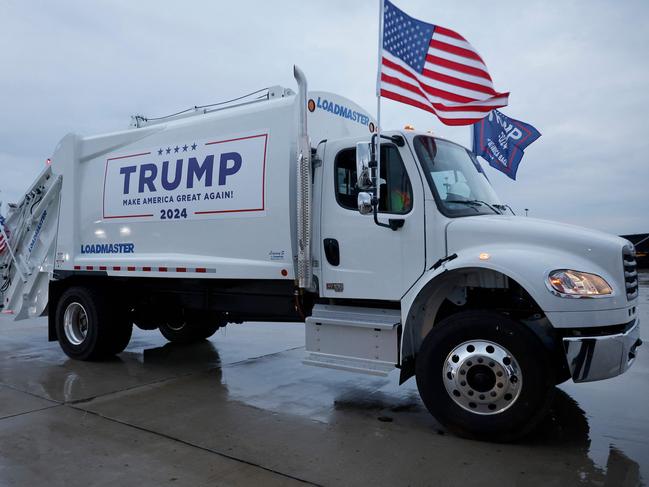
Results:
[601, 357]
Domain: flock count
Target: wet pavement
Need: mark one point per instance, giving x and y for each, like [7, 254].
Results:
[241, 409]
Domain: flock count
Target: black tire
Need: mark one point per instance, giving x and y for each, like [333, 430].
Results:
[507, 423]
[208, 329]
[120, 337]
[107, 331]
[188, 331]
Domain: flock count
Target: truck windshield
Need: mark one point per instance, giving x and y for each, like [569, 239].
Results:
[458, 184]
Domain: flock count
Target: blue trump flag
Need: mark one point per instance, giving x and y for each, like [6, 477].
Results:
[501, 140]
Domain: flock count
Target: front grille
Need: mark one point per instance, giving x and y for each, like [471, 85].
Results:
[630, 272]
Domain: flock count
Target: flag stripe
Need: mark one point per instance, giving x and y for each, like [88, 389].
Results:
[459, 83]
[423, 106]
[459, 67]
[458, 51]
[409, 91]
[451, 41]
[397, 69]
[464, 111]
[457, 59]
[480, 80]
[445, 91]
[447, 32]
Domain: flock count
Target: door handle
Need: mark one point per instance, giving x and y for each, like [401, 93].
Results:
[332, 251]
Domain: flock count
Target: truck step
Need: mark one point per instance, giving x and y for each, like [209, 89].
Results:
[352, 338]
[369, 367]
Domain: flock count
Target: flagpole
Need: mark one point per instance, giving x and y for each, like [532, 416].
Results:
[472, 135]
[377, 171]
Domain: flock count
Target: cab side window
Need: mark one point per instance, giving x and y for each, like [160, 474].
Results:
[396, 191]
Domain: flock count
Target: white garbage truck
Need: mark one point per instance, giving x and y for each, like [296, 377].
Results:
[392, 248]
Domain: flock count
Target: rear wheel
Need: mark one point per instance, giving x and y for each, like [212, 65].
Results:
[189, 331]
[485, 376]
[88, 327]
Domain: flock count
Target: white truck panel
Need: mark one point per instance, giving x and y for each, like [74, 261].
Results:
[235, 167]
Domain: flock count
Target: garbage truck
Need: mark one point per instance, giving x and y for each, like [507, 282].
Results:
[391, 246]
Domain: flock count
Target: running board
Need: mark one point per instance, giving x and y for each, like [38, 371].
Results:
[364, 340]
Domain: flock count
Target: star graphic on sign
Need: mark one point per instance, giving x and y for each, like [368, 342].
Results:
[168, 150]
[194, 146]
[185, 148]
[160, 152]
[176, 149]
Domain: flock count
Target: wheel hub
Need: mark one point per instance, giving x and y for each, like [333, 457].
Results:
[75, 323]
[482, 377]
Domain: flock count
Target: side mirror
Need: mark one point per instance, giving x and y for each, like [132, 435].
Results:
[363, 173]
[365, 203]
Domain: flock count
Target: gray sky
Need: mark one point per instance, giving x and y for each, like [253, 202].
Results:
[577, 71]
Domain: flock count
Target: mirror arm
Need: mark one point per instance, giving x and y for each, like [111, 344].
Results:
[393, 224]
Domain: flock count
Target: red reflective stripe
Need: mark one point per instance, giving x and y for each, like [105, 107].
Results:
[130, 155]
[102, 267]
[146, 269]
[117, 268]
[162, 269]
[77, 267]
[130, 268]
[201, 269]
[181, 269]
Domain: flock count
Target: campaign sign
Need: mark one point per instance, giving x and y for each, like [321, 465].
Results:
[188, 179]
[501, 140]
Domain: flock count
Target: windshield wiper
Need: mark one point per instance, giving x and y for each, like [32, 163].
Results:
[474, 203]
[504, 207]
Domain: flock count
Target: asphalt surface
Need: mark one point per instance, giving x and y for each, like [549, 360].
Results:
[241, 409]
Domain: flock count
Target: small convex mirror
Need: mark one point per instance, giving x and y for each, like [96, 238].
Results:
[364, 203]
[363, 174]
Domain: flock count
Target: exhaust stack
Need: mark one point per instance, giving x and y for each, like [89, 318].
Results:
[304, 263]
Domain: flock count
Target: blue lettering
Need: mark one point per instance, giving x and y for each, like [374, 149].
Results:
[224, 170]
[198, 170]
[342, 111]
[147, 180]
[171, 185]
[118, 248]
[127, 171]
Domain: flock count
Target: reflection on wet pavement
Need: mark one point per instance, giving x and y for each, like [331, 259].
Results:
[245, 394]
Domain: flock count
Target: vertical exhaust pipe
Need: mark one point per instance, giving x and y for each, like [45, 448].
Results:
[304, 262]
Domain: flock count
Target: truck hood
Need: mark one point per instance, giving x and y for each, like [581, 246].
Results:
[531, 248]
[516, 230]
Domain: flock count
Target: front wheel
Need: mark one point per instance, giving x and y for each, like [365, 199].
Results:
[485, 376]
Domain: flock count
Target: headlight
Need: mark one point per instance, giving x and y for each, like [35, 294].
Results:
[578, 284]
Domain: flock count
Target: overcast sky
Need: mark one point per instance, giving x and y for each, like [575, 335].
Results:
[577, 71]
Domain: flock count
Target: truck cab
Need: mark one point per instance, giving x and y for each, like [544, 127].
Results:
[479, 291]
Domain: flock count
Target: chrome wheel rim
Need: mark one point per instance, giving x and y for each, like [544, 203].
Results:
[482, 377]
[75, 323]
[176, 327]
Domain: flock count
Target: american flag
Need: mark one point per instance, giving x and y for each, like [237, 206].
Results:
[3, 244]
[435, 69]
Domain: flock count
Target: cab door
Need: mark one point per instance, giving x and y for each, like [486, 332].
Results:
[359, 259]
